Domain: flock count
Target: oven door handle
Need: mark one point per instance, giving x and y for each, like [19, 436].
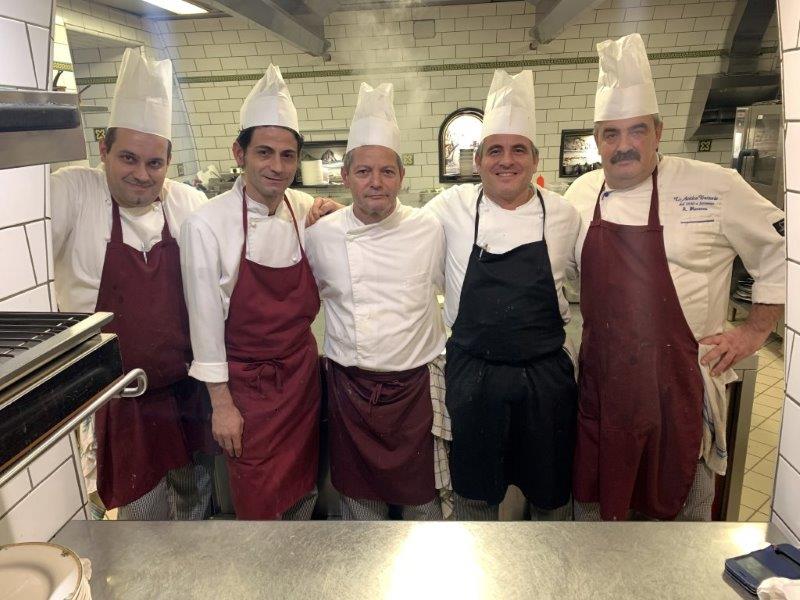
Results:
[117, 388]
[138, 389]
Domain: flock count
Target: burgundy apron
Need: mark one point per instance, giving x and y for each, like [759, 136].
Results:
[380, 434]
[641, 392]
[273, 376]
[140, 439]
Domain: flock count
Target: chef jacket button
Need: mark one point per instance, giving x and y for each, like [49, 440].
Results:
[294, 259]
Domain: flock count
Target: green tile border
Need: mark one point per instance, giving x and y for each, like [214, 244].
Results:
[462, 66]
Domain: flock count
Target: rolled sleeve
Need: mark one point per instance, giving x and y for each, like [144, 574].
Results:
[749, 222]
[200, 266]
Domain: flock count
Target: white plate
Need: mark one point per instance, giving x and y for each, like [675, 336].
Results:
[39, 571]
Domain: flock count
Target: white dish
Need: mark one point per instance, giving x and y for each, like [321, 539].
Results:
[39, 571]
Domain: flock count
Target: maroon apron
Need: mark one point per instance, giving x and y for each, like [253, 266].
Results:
[380, 434]
[273, 376]
[140, 439]
[641, 392]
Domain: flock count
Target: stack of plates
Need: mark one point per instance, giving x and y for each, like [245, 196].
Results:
[466, 160]
[40, 571]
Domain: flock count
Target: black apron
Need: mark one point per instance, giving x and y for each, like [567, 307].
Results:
[511, 390]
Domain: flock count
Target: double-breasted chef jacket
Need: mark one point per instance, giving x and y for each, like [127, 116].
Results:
[709, 215]
[378, 284]
[138, 439]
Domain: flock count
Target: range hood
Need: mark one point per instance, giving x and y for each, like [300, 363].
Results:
[39, 127]
[712, 111]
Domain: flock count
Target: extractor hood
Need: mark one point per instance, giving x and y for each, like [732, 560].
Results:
[712, 111]
[39, 127]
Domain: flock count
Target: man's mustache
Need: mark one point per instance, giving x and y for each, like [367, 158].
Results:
[631, 154]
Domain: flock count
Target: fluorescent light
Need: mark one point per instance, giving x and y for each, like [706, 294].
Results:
[179, 7]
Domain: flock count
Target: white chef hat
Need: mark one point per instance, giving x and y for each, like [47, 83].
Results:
[374, 122]
[143, 96]
[269, 103]
[624, 83]
[510, 106]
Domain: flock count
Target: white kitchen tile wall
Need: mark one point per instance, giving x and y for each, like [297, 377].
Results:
[793, 219]
[36, 503]
[32, 11]
[786, 504]
[38, 247]
[17, 69]
[37, 299]
[462, 34]
[40, 47]
[16, 272]
[40, 514]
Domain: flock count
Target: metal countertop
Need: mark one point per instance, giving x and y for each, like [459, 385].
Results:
[393, 560]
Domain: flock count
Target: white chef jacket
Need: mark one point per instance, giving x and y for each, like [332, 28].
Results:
[378, 285]
[81, 220]
[502, 230]
[710, 214]
[211, 246]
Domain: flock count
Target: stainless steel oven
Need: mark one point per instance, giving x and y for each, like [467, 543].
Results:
[55, 370]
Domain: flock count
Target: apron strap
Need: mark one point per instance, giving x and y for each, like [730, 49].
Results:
[244, 223]
[165, 232]
[294, 221]
[478, 216]
[652, 217]
[116, 224]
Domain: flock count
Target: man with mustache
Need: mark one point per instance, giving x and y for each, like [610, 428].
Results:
[251, 298]
[114, 230]
[511, 391]
[378, 265]
[658, 240]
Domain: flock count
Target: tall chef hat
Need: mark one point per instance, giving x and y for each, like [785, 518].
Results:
[374, 122]
[510, 106]
[143, 96]
[269, 103]
[625, 83]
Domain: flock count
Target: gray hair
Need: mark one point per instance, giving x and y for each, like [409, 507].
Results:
[347, 161]
[657, 122]
[479, 150]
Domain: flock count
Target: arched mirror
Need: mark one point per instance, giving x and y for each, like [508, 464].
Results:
[459, 136]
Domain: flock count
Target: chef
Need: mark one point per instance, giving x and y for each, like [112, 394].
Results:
[658, 240]
[114, 245]
[251, 299]
[511, 391]
[378, 265]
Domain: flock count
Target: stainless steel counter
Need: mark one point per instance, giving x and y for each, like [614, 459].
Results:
[394, 560]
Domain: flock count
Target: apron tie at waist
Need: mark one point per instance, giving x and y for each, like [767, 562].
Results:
[270, 363]
[376, 394]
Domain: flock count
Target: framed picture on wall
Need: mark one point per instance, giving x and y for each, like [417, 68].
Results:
[320, 164]
[578, 154]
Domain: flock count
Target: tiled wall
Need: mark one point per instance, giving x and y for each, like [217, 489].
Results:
[115, 30]
[786, 503]
[35, 504]
[441, 59]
